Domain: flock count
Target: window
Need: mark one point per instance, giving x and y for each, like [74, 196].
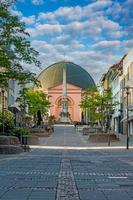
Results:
[127, 76]
[131, 69]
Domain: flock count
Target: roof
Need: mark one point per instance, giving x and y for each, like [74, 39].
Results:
[76, 75]
[119, 65]
[102, 77]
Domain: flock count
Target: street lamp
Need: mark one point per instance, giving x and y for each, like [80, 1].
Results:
[127, 105]
[86, 116]
[3, 107]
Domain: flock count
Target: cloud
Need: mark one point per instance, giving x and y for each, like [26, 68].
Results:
[37, 2]
[46, 47]
[44, 29]
[94, 36]
[63, 38]
[89, 29]
[76, 12]
[114, 46]
[29, 20]
[107, 44]
[95, 62]
[16, 12]
[89, 21]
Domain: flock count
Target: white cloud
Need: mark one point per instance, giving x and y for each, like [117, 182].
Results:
[29, 20]
[90, 36]
[37, 2]
[106, 44]
[80, 21]
[63, 38]
[44, 29]
[16, 12]
[114, 46]
[77, 12]
[95, 62]
[89, 28]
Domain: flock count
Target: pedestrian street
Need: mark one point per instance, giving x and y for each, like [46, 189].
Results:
[62, 169]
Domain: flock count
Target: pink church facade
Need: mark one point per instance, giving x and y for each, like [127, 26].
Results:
[78, 80]
[74, 96]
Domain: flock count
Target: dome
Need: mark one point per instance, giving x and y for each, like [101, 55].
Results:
[76, 75]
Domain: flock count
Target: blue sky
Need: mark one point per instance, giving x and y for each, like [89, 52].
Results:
[92, 33]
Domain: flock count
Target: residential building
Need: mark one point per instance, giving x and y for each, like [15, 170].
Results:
[103, 84]
[117, 88]
[128, 82]
[117, 79]
[106, 86]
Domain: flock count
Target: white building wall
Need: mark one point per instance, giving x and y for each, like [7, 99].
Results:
[13, 92]
[116, 93]
[128, 76]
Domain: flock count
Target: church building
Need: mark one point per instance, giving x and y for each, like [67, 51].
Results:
[77, 80]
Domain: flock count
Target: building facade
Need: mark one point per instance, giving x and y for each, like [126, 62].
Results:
[117, 88]
[74, 96]
[118, 78]
[77, 81]
[128, 82]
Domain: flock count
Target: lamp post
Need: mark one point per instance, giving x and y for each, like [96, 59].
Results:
[86, 116]
[3, 107]
[127, 133]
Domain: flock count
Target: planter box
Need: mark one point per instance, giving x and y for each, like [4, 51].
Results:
[103, 137]
[10, 145]
[10, 149]
[9, 140]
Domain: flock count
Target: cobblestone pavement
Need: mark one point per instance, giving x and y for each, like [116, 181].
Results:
[55, 174]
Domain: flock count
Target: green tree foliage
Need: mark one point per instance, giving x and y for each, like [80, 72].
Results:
[8, 121]
[15, 49]
[98, 106]
[9, 126]
[20, 132]
[88, 104]
[35, 100]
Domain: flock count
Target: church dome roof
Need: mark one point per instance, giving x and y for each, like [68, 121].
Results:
[76, 75]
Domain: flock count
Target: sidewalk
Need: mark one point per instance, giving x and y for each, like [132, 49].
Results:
[67, 137]
[120, 144]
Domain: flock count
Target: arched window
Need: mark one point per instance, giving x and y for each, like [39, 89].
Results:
[69, 100]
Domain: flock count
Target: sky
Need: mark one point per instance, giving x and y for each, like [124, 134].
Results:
[94, 34]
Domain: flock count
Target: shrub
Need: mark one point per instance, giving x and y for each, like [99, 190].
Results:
[8, 122]
[52, 119]
[20, 132]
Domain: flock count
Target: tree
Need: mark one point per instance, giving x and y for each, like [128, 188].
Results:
[51, 119]
[8, 122]
[36, 101]
[98, 106]
[15, 49]
[88, 104]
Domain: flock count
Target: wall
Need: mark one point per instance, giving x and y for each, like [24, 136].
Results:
[128, 79]
[74, 98]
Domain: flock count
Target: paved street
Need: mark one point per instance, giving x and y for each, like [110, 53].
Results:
[67, 174]
[64, 136]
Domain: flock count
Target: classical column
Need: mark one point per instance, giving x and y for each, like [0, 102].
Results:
[64, 94]
[64, 115]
